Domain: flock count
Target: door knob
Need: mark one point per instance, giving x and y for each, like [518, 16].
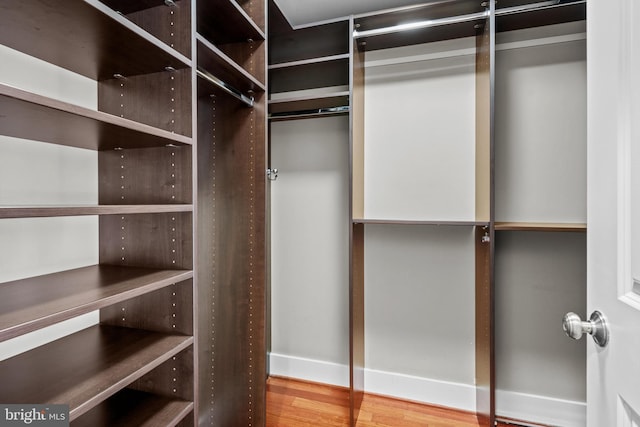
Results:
[596, 326]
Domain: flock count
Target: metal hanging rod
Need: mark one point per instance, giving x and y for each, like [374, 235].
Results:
[225, 87]
[421, 24]
[463, 18]
[317, 112]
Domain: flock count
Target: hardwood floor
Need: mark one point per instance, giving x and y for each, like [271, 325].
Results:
[294, 403]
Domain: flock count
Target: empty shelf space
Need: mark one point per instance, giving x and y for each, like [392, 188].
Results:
[311, 102]
[33, 303]
[224, 21]
[71, 125]
[132, 408]
[84, 36]
[418, 222]
[565, 11]
[540, 226]
[53, 211]
[85, 368]
[217, 63]
[287, 45]
[309, 74]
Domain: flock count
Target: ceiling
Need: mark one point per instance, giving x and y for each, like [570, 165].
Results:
[301, 12]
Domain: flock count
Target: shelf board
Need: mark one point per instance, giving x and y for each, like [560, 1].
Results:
[310, 61]
[424, 12]
[132, 408]
[416, 222]
[224, 21]
[540, 226]
[127, 6]
[303, 103]
[84, 369]
[86, 37]
[71, 125]
[53, 211]
[217, 63]
[33, 303]
[313, 73]
[561, 13]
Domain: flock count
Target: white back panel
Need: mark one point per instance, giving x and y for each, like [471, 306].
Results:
[541, 128]
[420, 132]
[419, 301]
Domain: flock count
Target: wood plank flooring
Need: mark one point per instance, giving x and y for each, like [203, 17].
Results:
[294, 403]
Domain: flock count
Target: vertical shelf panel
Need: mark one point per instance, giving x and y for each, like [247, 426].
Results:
[232, 256]
[484, 288]
[356, 279]
[357, 346]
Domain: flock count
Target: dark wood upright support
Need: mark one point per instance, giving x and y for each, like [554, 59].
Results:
[485, 359]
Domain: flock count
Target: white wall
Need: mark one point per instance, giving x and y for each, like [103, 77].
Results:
[310, 249]
[36, 173]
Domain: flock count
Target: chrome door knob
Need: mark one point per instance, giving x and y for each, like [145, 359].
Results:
[596, 326]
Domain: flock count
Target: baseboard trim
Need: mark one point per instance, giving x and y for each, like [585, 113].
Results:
[309, 369]
[425, 390]
[532, 409]
[407, 387]
[540, 409]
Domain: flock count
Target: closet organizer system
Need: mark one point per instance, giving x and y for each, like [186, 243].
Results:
[179, 135]
[511, 193]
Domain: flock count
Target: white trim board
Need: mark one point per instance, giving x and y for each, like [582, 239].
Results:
[540, 409]
[527, 407]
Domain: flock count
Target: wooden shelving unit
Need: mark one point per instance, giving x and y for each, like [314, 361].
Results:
[231, 213]
[308, 68]
[150, 410]
[142, 351]
[86, 368]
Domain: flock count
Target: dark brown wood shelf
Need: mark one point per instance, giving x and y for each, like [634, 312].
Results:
[309, 61]
[33, 303]
[403, 15]
[302, 103]
[52, 211]
[309, 74]
[221, 66]
[86, 37]
[287, 44]
[71, 125]
[132, 408]
[566, 11]
[127, 6]
[84, 369]
[417, 222]
[224, 21]
[540, 226]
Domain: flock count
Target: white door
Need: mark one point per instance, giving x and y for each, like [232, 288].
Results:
[613, 56]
